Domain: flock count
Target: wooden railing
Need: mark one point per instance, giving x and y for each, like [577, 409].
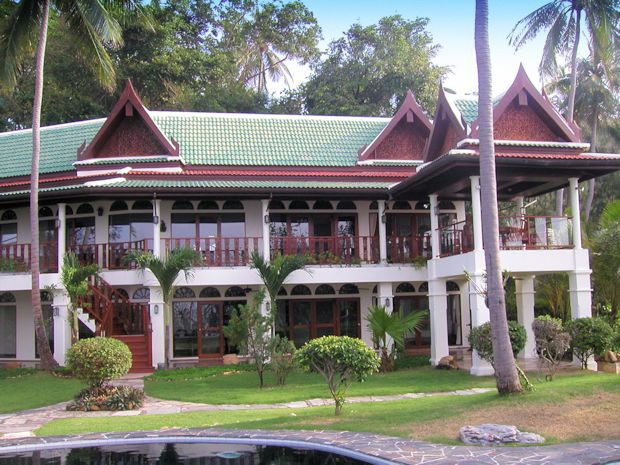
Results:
[219, 251]
[456, 238]
[118, 251]
[16, 257]
[405, 249]
[328, 250]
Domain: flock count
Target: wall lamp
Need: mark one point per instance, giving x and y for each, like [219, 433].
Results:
[156, 309]
[57, 223]
[383, 218]
[100, 211]
[387, 302]
[266, 219]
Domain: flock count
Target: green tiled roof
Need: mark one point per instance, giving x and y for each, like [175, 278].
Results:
[469, 107]
[211, 139]
[115, 161]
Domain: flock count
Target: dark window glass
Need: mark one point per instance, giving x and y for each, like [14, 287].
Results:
[45, 211]
[324, 289]
[8, 215]
[349, 317]
[119, 205]
[234, 291]
[345, 205]
[232, 205]
[144, 293]
[349, 289]
[182, 205]
[8, 233]
[142, 205]
[208, 205]
[405, 287]
[322, 205]
[209, 292]
[185, 329]
[300, 289]
[276, 205]
[84, 209]
[298, 205]
[401, 205]
[452, 286]
[184, 293]
[130, 227]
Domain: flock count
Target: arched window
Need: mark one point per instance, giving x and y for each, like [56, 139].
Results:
[401, 205]
[451, 286]
[210, 293]
[322, 205]
[422, 206]
[374, 290]
[345, 205]
[45, 212]
[405, 287]
[298, 205]
[182, 205]
[234, 291]
[184, 293]
[324, 289]
[208, 205]
[349, 289]
[423, 287]
[85, 209]
[142, 205]
[276, 205]
[8, 215]
[68, 210]
[374, 205]
[119, 205]
[446, 205]
[143, 293]
[122, 292]
[282, 291]
[232, 205]
[8, 228]
[7, 297]
[300, 289]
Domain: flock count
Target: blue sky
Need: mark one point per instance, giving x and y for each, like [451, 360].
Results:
[452, 26]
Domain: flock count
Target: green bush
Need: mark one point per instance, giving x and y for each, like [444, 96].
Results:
[480, 339]
[341, 360]
[282, 358]
[589, 336]
[107, 398]
[98, 360]
[405, 362]
[552, 342]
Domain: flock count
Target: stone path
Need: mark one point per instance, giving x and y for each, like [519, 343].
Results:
[375, 449]
[23, 424]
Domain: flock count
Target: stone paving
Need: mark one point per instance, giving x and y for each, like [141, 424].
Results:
[372, 446]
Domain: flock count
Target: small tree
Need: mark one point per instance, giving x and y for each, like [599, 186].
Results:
[282, 358]
[383, 325]
[98, 360]
[250, 330]
[589, 336]
[74, 278]
[481, 341]
[341, 360]
[552, 342]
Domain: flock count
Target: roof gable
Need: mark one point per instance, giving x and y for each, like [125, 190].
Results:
[448, 128]
[405, 136]
[129, 131]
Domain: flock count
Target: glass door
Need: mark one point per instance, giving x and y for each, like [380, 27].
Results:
[210, 335]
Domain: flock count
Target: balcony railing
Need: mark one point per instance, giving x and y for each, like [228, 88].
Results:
[16, 257]
[219, 251]
[329, 250]
[406, 249]
[456, 238]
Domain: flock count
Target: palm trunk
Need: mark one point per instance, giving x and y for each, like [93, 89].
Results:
[506, 375]
[591, 182]
[47, 358]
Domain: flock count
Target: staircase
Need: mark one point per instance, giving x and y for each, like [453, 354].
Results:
[116, 316]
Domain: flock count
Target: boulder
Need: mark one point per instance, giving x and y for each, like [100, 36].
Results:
[492, 435]
[447, 363]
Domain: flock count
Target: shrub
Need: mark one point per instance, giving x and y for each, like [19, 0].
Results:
[552, 342]
[589, 336]
[107, 397]
[341, 360]
[480, 339]
[98, 360]
[282, 358]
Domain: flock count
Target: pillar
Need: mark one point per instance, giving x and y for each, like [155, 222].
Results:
[525, 313]
[382, 232]
[479, 316]
[62, 332]
[62, 234]
[158, 335]
[476, 211]
[264, 218]
[580, 293]
[101, 231]
[574, 206]
[438, 303]
[385, 297]
[157, 229]
[435, 250]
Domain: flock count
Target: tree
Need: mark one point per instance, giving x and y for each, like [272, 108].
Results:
[605, 244]
[552, 342]
[506, 376]
[384, 325]
[166, 271]
[563, 20]
[93, 27]
[264, 36]
[74, 278]
[589, 337]
[368, 71]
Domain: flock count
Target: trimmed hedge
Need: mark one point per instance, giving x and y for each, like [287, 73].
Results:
[98, 360]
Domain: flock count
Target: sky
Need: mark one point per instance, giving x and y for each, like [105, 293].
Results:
[451, 25]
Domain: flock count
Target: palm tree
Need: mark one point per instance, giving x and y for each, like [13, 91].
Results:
[74, 278]
[563, 18]
[166, 271]
[92, 26]
[273, 274]
[506, 376]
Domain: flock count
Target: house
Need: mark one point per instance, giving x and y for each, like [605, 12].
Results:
[387, 211]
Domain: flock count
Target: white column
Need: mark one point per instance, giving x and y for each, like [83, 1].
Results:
[479, 316]
[580, 293]
[525, 312]
[365, 304]
[438, 303]
[101, 230]
[62, 233]
[476, 211]
[434, 201]
[264, 203]
[62, 333]
[158, 335]
[385, 297]
[575, 209]
[157, 230]
[519, 205]
[382, 232]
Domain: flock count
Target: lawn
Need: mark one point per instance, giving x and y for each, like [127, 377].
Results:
[577, 406]
[192, 385]
[25, 389]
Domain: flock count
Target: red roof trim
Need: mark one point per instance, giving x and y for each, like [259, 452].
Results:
[435, 139]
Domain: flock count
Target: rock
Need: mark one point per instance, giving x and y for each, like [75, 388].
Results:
[610, 357]
[447, 363]
[492, 435]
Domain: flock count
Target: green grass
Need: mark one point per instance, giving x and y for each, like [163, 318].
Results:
[25, 389]
[242, 388]
[391, 418]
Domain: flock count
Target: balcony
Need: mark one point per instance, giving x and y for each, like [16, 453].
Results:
[407, 249]
[329, 250]
[515, 233]
[219, 251]
[16, 257]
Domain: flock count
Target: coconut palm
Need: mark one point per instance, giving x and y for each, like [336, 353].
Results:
[506, 376]
[166, 271]
[93, 27]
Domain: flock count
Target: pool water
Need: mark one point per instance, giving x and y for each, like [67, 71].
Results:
[178, 454]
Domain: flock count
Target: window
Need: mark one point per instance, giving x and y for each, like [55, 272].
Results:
[324, 289]
[298, 205]
[142, 205]
[182, 205]
[349, 289]
[345, 205]
[300, 289]
[234, 291]
[142, 293]
[232, 205]
[184, 293]
[8, 326]
[130, 227]
[405, 287]
[8, 228]
[208, 205]
[276, 205]
[48, 320]
[322, 205]
[209, 293]
[85, 209]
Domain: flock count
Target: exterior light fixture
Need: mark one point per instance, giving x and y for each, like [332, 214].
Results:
[156, 309]
[57, 223]
[387, 302]
[383, 218]
[56, 310]
[266, 219]
[162, 226]
[100, 211]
